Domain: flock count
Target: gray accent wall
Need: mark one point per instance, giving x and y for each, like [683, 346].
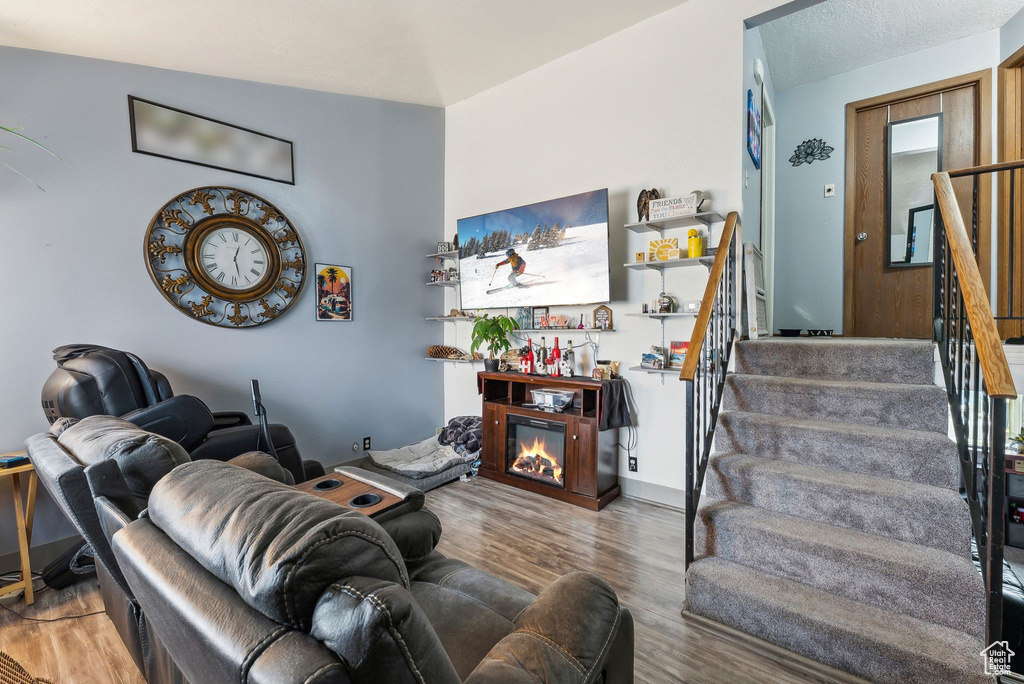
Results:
[1011, 36]
[753, 49]
[808, 226]
[369, 194]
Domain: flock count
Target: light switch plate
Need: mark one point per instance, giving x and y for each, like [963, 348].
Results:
[830, 190]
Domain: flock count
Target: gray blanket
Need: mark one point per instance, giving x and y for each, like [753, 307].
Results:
[421, 460]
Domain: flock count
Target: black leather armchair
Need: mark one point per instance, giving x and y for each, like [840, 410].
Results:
[243, 579]
[93, 380]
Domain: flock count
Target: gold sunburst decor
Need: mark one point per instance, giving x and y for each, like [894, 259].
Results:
[661, 250]
[225, 257]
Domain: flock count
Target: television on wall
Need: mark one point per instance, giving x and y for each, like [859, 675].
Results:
[551, 253]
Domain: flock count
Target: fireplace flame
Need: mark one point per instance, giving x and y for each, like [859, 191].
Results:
[533, 460]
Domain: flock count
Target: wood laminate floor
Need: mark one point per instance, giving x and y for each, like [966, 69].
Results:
[525, 538]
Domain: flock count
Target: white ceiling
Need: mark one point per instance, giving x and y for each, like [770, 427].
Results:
[837, 36]
[433, 52]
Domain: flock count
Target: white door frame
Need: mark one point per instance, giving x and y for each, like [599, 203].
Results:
[768, 203]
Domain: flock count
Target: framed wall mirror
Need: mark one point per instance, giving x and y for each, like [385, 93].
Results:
[914, 154]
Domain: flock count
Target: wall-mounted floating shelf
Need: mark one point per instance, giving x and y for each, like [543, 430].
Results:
[454, 360]
[705, 218]
[444, 255]
[684, 314]
[444, 283]
[451, 318]
[662, 371]
[672, 263]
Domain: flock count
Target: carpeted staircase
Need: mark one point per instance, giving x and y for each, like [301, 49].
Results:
[830, 522]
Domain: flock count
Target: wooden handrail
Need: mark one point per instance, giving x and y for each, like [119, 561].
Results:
[700, 329]
[987, 342]
[986, 168]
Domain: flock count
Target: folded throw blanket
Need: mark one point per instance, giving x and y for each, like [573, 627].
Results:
[464, 433]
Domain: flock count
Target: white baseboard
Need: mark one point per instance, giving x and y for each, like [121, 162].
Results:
[653, 493]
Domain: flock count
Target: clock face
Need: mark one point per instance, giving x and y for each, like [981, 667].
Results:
[233, 258]
[225, 257]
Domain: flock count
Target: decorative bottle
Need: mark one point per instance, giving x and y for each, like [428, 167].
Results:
[569, 359]
[556, 360]
[530, 365]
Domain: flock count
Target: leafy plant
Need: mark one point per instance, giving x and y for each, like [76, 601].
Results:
[493, 333]
[14, 130]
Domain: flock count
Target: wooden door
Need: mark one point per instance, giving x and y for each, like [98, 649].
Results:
[881, 300]
[1009, 255]
[493, 456]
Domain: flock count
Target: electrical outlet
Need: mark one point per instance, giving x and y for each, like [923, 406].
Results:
[355, 446]
[632, 464]
[366, 443]
[830, 190]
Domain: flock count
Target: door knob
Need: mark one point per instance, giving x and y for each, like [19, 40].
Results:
[495, 422]
[574, 438]
[861, 237]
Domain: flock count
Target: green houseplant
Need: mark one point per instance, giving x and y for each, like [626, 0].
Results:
[492, 333]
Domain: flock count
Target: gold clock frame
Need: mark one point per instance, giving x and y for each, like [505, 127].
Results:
[172, 259]
[193, 263]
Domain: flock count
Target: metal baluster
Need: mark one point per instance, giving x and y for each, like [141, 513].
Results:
[1011, 255]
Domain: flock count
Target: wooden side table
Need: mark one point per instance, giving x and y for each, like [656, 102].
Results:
[23, 513]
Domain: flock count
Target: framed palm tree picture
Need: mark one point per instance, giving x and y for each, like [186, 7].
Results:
[333, 292]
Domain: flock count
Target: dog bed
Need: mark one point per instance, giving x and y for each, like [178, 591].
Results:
[423, 483]
[420, 460]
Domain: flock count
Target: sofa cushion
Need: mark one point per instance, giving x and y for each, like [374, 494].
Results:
[143, 457]
[264, 464]
[467, 628]
[498, 595]
[278, 547]
[381, 634]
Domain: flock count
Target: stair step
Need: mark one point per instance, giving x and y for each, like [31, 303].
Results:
[906, 511]
[915, 580]
[871, 360]
[913, 407]
[875, 644]
[910, 455]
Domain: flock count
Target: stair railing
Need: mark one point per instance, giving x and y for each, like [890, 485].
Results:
[978, 382]
[707, 361]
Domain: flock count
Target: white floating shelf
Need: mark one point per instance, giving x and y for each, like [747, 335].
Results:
[451, 318]
[661, 371]
[455, 360]
[672, 263]
[444, 255]
[705, 218]
[444, 283]
[663, 315]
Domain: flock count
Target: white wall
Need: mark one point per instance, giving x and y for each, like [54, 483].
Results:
[1011, 36]
[658, 104]
[809, 227]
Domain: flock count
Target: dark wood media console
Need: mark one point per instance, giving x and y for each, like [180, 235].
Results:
[587, 470]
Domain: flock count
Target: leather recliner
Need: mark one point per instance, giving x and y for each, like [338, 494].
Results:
[101, 471]
[246, 580]
[93, 380]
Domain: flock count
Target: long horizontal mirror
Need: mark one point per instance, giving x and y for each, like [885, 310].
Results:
[915, 153]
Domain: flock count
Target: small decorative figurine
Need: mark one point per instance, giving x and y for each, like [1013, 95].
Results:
[666, 304]
[643, 203]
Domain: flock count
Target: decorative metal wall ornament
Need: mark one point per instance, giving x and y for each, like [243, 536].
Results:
[225, 257]
[810, 150]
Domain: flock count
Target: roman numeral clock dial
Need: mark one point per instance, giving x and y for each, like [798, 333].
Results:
[225, 257]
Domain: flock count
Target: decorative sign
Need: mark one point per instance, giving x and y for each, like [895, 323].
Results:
[673, 207]
[660, 250]
[333, 292]
[603, 318]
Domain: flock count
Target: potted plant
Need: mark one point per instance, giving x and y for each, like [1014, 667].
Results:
[492, 333]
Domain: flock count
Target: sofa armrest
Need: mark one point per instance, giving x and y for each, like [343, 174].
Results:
[415, 534]
[183, 418]
[566, 635]
[412, 498]
[223, 419]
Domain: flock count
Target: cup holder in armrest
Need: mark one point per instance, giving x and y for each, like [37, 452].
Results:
[327, 485]
[364, 500]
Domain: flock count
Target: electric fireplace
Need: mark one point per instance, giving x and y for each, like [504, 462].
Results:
[536, 449]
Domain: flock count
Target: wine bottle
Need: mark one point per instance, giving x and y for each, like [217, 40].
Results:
[556, 360]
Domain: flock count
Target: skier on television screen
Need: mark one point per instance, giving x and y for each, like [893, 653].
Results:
[517, 263]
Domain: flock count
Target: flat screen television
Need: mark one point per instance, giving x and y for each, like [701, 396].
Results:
[550, 253]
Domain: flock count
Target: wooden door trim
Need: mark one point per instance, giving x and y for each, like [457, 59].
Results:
[983, 124]
[1010, 75]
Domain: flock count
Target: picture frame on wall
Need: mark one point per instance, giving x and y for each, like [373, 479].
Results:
[540, 317]
[753, 130]
[333, 292]
[159, 130]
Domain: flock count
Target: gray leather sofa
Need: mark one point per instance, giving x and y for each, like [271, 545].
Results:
[246, 580]
[100, 471]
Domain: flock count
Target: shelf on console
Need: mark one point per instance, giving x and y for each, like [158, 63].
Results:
[664, 371]
[705, 218]
[563, 330]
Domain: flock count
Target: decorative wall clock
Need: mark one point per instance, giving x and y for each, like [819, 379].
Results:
[225, 257]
